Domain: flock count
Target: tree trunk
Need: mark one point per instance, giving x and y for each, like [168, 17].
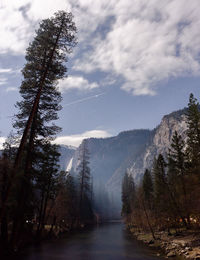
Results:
[148, 221]
[52, 225]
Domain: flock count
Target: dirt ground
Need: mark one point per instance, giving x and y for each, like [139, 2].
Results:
[184, 244]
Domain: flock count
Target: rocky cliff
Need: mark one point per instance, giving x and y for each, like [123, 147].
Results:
[161, 140]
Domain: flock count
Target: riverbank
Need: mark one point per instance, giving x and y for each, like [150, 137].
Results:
[183, 244]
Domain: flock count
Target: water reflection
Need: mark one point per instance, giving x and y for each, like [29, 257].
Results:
[106, 242]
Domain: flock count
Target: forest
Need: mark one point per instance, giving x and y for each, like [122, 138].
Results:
[168, 196]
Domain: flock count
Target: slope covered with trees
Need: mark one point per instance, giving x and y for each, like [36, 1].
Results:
[168, 196]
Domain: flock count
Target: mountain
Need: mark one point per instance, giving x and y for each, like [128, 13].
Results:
[132, 150]
[161, 140]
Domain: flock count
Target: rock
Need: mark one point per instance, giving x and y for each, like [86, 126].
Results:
[171, 254]
[173, 247]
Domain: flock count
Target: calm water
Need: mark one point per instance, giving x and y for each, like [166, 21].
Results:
[106, 242]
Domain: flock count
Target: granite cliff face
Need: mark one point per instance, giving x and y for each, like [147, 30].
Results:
[161, 140]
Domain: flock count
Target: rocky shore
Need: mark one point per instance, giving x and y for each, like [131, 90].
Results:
[183, 245]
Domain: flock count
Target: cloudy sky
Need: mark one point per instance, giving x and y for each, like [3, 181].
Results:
[136, 61]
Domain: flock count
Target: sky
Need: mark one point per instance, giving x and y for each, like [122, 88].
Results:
[135, 61]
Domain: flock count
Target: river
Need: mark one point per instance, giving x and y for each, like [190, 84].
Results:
[105, 242]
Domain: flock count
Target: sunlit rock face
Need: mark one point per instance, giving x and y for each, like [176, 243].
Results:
[161, 140]
[163, 137]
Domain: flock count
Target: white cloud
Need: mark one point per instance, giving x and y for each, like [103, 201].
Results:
[76, 82]
[3, 81]
[11, 89]
[5, 70]
[144, 42]
[2, 140]
[75, 140]
[148, 42]
[15, 30]
[20, 18]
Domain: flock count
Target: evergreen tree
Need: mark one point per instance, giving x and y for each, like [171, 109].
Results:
[45, 65]
[6, 164]
[193, 134]
[147, 198]
[71, 200]
[84, 182]
[177, 154]
[177, 173]
[159, 182]
[46, 181]
[131, 188]
[4, 180]
[147, 185]
[45, 58]
[128, 194]
[65, 208]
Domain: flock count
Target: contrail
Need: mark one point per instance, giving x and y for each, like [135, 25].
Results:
[83, 99]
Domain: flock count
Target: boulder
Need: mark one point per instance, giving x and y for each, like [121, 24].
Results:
[171, 254]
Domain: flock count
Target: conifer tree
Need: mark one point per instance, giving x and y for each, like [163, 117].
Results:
[159, 182]
[45, 65]
[46, 181]
[193, 134]
[84, 182]
[46, 57]
[126, 209]
[147, 185]
[147, 198]
[177, 173]
[71, 200]
[131, 189]
[128, 194]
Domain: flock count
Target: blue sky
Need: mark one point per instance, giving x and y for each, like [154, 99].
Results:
[136, 61]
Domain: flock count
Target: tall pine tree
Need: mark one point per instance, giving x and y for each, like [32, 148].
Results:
[46, 59]
[84, 182]
[193, 134]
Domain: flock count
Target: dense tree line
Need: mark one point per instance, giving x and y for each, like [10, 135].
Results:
[35, 197]
[168, 195]
[56, 202]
